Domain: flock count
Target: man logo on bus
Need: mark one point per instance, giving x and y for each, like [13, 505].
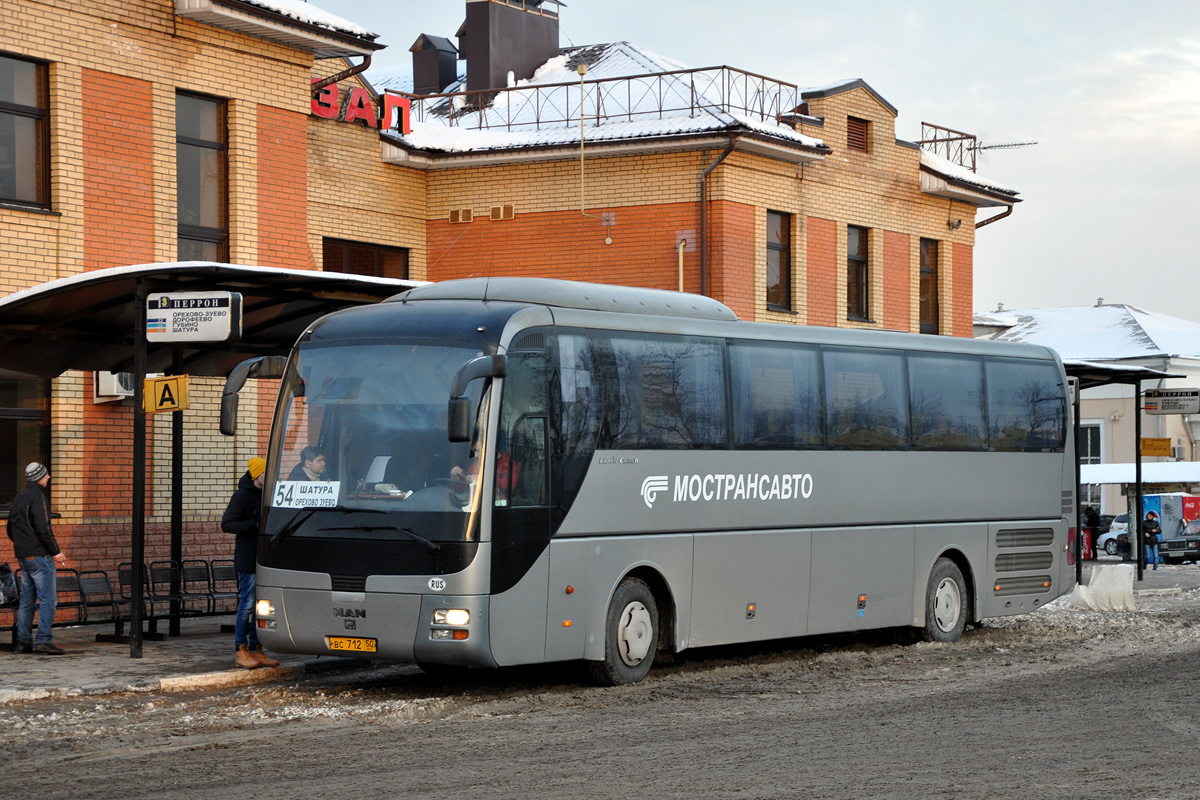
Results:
[652, 486]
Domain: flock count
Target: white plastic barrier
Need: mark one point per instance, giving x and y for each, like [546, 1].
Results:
[1110, 588]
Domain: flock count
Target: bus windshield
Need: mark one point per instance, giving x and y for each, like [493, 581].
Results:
[363, 427]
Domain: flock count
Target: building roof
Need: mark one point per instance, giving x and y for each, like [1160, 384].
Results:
[631, 93]
[1096, 333]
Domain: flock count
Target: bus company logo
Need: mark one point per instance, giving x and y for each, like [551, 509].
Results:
[652, 486]
[350, 613]
[719, 487]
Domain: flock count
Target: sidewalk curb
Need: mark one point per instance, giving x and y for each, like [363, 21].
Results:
[187, 683]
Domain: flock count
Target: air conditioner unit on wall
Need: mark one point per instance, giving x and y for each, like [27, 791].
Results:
[1178, 453]
[109, 387]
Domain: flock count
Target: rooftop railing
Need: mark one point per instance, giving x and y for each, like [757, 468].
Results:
[653, 96]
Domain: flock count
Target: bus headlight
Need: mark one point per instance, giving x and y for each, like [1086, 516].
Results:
[451, 616]
[264, 608]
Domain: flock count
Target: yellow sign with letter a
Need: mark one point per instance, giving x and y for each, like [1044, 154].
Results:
[165, 394]
[1156, 447]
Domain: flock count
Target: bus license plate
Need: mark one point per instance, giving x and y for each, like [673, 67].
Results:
[352, 645]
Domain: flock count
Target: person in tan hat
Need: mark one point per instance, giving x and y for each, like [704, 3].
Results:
[241, 518]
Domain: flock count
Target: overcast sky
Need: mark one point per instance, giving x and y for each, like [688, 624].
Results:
[1110, 91]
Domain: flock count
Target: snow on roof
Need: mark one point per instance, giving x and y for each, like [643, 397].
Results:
[1097, 333]
[310, 14]
[957, 172]
[512, 120]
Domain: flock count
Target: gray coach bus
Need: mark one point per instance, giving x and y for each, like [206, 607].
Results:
[523, 470]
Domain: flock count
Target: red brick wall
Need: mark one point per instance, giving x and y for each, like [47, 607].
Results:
[822, 271]
[283, 189]
[567, 244]
[897, 274]
[731, 267]
[963, 293]
[107, 488]
[118, 213]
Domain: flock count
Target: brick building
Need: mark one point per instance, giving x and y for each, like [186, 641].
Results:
[139, 131]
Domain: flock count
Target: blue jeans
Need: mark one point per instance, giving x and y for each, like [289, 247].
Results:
[39, 592]
[1152, 557]
[244, 632]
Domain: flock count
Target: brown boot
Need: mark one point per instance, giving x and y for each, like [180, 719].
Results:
[245, 660]
[264, 660]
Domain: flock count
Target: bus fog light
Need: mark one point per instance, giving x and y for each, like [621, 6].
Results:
[441, 634]
[264, 608]
[451, 616]
[266, 624]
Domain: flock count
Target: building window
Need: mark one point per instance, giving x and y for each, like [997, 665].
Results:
[359, 258]
[202, 184]
[857, 273]
[1089, 453]
[929, 286]
[24, 141]
[858, 134]
[779, 261]
[24, 429]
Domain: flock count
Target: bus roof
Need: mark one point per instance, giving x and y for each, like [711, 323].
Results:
[573, 294]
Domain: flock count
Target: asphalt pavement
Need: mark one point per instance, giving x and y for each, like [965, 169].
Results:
[201, 657]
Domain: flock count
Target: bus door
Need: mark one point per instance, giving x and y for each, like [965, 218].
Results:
[521, 509]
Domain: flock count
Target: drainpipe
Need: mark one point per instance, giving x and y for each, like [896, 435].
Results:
[996, 218]
[679, 250]
[704, 213]
[317, 86]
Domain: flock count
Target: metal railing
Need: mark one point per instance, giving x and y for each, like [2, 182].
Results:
[650, 96]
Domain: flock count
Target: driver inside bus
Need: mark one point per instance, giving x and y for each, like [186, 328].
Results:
[311, 466]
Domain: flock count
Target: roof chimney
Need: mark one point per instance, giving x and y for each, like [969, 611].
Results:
[503, 36]
[435, 64]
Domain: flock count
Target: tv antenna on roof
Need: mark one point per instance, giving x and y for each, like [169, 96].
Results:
[958, 146]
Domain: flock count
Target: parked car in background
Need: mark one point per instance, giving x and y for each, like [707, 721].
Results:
[1115, 540]
[1183, 546]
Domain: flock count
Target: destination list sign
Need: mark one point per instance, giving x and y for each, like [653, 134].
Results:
[1172, 401]
[194, 317]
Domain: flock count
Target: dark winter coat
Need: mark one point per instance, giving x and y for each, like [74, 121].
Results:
[242, 517]
[29, 523]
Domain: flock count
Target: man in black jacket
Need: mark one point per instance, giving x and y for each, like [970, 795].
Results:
[36, 551]
[242, 519]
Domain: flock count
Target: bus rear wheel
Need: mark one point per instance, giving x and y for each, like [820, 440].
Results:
[945, 603]
[630, 635]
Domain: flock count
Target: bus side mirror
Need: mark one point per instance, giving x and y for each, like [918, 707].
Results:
[458, 414]
[260, 367]
[459, 421]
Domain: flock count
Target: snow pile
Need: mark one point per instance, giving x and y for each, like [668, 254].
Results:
[1110, 589]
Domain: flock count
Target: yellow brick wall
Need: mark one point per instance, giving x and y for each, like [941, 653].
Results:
[353, 195]
[142, 40]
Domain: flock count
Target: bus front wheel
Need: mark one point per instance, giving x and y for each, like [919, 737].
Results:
[945, 603]
[630, 635]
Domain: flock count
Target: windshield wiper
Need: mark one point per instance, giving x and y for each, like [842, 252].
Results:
[294, 523]
[409, 531]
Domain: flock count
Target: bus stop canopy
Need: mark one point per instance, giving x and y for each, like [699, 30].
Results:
[88, 321]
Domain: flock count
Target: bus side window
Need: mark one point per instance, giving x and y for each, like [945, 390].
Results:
[1026, 406]
[866, 399]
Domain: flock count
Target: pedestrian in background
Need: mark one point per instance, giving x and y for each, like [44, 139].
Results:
[242, 518]
[36, 551]
[1151, 533]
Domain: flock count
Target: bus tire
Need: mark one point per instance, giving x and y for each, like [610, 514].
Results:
[630, 635]
[945, 603]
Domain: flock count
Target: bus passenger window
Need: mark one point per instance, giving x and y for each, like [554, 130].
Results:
[946, 401]
[866, 400]
[776, 396]
[1026, 406]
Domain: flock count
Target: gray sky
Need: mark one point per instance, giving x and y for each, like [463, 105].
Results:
[1110, 91]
